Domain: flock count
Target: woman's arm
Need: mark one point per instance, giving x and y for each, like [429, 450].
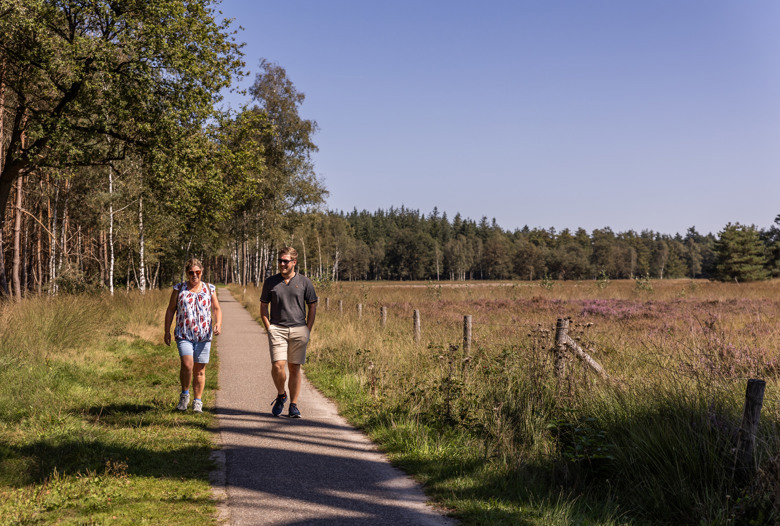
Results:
[217, 310]
[169, 312]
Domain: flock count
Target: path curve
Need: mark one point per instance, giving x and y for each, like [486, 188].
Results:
[317, 470]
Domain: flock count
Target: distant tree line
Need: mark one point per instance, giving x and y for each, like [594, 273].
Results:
[404, 244]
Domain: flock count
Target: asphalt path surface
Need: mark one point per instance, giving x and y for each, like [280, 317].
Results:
[316, 470]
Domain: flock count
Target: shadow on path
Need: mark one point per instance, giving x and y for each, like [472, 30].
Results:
[314, 470]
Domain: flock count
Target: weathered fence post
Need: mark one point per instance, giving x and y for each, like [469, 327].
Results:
[327, 303]
[360, 310]
[383, 317]
[561, 330]
[466, 336]
[417, 329]
[754, 399]
[341, 306]
[466, 343]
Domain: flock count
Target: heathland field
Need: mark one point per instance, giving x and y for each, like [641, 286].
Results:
[498, 438]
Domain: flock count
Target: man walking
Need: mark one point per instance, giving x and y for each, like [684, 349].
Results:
[293, 308]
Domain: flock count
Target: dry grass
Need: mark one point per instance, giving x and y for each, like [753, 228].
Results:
[680, 350]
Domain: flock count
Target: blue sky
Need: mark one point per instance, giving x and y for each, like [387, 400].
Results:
[657, 115]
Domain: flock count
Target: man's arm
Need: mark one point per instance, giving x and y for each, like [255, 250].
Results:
[264, 316]
[310, 315]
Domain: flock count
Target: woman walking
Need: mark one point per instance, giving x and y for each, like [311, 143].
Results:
[193, 301]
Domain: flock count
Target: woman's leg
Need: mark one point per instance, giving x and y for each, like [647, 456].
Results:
[198, 380]
[185, 373]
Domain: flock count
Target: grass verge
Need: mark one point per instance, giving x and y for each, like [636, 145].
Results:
[88, 429]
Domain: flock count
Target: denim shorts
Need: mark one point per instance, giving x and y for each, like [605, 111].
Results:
[198, 350]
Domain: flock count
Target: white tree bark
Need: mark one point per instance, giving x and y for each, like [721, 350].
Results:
[141, 263]
[111, 228]
[53, 244]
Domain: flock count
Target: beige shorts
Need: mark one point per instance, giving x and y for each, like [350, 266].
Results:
[288, 343]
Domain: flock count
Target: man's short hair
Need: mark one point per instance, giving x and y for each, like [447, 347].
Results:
[289, 251]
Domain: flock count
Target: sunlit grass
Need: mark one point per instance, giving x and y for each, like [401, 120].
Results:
[88, 431]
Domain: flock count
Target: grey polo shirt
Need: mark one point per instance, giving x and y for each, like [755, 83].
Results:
[288, 300]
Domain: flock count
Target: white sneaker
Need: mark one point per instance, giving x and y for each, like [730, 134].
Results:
[184, 401]
[197, 406]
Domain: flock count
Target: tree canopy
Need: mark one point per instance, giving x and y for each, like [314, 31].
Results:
[85, 82]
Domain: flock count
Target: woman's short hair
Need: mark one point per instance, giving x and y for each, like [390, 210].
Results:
[193, 262]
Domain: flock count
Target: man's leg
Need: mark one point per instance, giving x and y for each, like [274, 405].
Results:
[279, 375]
[296, 356]
[295, 381]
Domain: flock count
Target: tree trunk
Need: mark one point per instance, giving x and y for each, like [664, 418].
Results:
[257, 260]
[2, 114]
[18, 241]
[3, 281]
[319, 256]
[39, 249]
[142, 279]
[305, 268]
[64, 256]
[111, 228]
[53, 243]
[26, 258]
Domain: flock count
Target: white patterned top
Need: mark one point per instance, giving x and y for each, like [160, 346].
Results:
[193, 312]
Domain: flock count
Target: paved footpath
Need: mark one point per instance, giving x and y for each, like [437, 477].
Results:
[317, 470]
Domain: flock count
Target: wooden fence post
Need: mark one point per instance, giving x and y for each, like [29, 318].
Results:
[327, 303]
[466, 336]
[417, 329]
[341, 306]
[383, 317]
[561, 330]
[466, 343]
[754, 399]
[360, 310]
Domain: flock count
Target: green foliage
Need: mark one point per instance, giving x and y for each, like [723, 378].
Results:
[603, 280]
[643, 283]
[89, 82]
[741, 254]
[409, 255]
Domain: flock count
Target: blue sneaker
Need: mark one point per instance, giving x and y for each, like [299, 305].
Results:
[294, 413]
[278, 404]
